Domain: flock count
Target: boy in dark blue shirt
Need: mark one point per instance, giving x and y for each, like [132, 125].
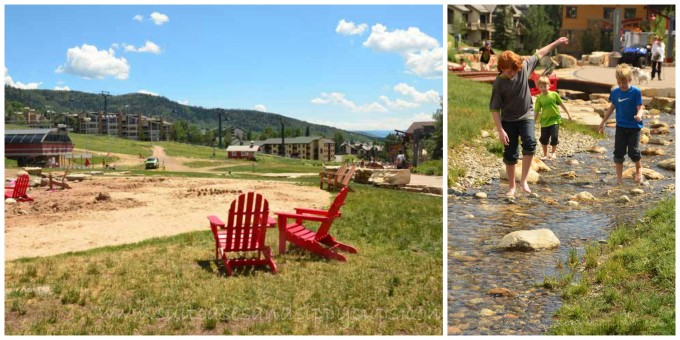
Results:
[627, 100]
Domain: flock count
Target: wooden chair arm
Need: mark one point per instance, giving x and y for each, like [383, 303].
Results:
[214, 220]
[313, 218]
[311, 211]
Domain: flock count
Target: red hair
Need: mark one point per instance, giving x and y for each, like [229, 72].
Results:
[509, 60]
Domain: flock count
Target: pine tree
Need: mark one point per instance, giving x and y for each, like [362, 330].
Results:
[504, 37]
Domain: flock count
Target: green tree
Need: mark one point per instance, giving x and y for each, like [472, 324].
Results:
[504, 37]
[435, 143]
[539, 31]
[554, 13]
[339, 138]
[307, 131]
[588, 42]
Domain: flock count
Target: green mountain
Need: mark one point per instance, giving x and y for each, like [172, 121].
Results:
[158, 106]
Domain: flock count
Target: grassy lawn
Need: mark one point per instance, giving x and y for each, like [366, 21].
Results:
[172, 285]
[115, 145]
[468, 110]
[629, 290]
[175, 149]
[274, 164]
[430, 168]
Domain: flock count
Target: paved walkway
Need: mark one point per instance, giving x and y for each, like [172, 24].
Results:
[606, 75]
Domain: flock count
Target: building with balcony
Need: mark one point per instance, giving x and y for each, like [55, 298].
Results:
[313, 147]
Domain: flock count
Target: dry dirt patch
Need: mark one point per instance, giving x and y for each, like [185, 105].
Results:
[133, 209]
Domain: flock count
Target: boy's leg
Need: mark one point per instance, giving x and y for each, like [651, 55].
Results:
[511, 154]
[526, 131]
[633, 144]
[545, 136]
[619, 152]
[554, 139]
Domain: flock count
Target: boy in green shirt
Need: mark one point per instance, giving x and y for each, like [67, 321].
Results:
[546, 106]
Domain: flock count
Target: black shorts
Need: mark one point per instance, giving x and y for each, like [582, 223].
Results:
[523, 129]
[550, 133]
[626, 140]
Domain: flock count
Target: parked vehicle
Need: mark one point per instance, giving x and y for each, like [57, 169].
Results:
[152, 163]
[637, 49]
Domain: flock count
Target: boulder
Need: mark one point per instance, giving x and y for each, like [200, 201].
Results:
[390, 177]
[647, 173]
[661, 102]
[529, 240]
[598, 96]
[33, 170]
[645, 131]
[644, 139]
[660, 131]
[78, 177]
[656, 140]
[583, 196]
[597, 149]
[567, 61]
[653, 152]
[532, 177]
[480, 195]
[537, 165]
[623, 199]
[668, 164]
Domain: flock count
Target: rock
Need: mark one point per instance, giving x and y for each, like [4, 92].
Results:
[485, 134]
[34, 183]
[21, 172]
[44, 182]
[572, 162]
[487, 312]
[33, 170]
[636, 192]
[78, 177]
[537, 165]
[390, 176]
[469, 216]
[504, 292]
[532, 177]
[668, 164]
[647, 173]
[572, 203]
[567, 61]
[568, 174]
[529, 239]
[661, 102]
[657, 141]
[660, 131]
[645, 131]
[597, 149]
[583, 196]
[96, 172]
[510, 316]
[597, 96]
[103, 196]
[623, 199]
[534, 195]
[480, 195]
[10, 201]
[657, 124]
[454, 330]
[654, 112]
[600, 111]
[653, 152]
[644, 139]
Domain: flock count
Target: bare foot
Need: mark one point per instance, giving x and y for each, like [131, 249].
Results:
[638, 177]
[525, 187]
[511, 192]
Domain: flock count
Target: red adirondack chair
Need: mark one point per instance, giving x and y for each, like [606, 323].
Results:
[319, 242]
[244, 231]
[18, 191]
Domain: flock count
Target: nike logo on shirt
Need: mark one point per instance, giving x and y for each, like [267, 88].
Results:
[621, 100]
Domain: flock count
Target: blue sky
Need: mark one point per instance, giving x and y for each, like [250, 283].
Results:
[354, 67]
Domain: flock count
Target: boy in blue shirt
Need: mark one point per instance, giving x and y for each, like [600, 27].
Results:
[627, 100]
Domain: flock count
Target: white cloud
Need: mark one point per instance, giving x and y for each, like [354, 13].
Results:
[89, 63]
[158, 18]
[430, 96]
[148, 92]
[398, 104]
[260, 107]
[149, 47]
[184, 102]
[138, 17]
[62, 88]
[422, 53]
[18, 84]
[115, 45]
[337, 98]
[349, 28]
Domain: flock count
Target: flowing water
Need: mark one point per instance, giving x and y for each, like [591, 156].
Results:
[476, 226]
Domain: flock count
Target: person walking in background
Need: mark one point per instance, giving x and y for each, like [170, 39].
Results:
[485, 58]
[658, 53]
[513, 111]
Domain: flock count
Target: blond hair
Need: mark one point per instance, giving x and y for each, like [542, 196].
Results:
[543, 80]
[509, 60]
[624, 73]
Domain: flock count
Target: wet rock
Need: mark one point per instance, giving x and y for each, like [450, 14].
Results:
[501, 292]
[103, 196]
[623, 199]
[645, 131]
[644, 139]
[653, 152]
[469, 216]
[658, 124]
[487, 312]
[480, 195]
[550, 201]
[657, 141]
[660, 131]
[456, 316]
[661, 102]
[538, 165]
[636, 192]
[568, 174]
[572, 203]
[668, 164]
[476, 301]
[510, 316]
[532, 177]
[572, 162]
[529, 239]
[597, 149]
[584, 196]
[534, 195]
[646, 173]
[454, 330]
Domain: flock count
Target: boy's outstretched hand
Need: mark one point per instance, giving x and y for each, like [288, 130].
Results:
[562, 41]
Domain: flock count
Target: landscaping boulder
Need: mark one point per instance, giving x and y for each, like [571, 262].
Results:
[656, 140]
[661, 103]
[567, 61]
[668, 164]
[647, 173]
[532, 177]
[33, 170]
[653, 152]
[644, 139]
[78, 177]
[529, 240]
[396, 177]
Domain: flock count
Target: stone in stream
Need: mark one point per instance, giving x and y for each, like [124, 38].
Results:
[534, 195]
[583, 196]
[644, 139]
[532, 177]
[469, 216]
[623, 199]
[529, 239]
[572, 162]
[568, 174]
[636, 192]
[645, 131]
[660, 131]
[647, 173]
[572, 203]
[653, 152]
[657, 141]
[655, 124]
[487, 312]
[454, 330]
[480, 195]
[668, 164]
[597, 149]
[501, 292]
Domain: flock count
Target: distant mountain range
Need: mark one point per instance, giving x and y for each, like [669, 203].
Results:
[375, 133]
[158, 106]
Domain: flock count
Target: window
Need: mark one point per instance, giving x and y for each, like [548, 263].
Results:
[482, 19]
[571, 12]
[629, 13]
[608, 13]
